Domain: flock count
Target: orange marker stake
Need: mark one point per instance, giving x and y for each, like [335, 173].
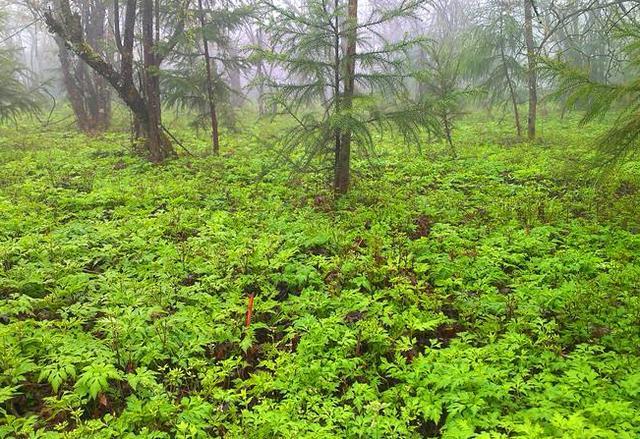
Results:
[247, 321]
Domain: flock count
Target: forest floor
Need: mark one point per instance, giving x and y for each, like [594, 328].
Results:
[492, 295]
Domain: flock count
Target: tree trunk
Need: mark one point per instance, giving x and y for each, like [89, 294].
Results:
[260, 73]
[87, 91]
[236, 98]
[342, 179]
[512, 91]
[215, 141]
[336, 85]
[72, 86]
[157, 142]
[97, 90]
[447, 132]
[532, 81]
[235, 84]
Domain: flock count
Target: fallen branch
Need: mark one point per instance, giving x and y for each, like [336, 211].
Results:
[170, 134]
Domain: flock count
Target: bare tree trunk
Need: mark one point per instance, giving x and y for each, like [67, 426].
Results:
[215, 141]
[532, 80]
[343, 162]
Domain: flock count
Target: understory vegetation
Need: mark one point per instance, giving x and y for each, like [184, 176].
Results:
[490, 295]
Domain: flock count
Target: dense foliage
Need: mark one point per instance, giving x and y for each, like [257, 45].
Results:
[494, 295]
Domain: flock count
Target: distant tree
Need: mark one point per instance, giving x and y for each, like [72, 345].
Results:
[342, 78]
[550, 29]
[532, 68]
[513, 36]
[203, 55]
[16, 97]
[215, 140]
[441, 82]
[599, 98]
[503, 57]
[143, 99]
[88, 92]
[439, 63]
[494, 58]
[263, 70]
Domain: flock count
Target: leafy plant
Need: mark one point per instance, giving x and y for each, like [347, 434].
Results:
[95, 379]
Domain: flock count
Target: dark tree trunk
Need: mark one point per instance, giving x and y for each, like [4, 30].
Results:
[448, 128]
[532, 80]
[159, 147]
[343, 158]
[215, 140]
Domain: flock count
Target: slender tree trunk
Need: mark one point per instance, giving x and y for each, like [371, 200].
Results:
[447, 132]
[260, 74]
[343, 161]
[235, 83]
[260, 89]
[236, 97]
[532, 80]
[336, 83]
[512, 91]
[215, 141]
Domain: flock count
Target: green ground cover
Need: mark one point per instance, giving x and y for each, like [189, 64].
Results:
[492, 295]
